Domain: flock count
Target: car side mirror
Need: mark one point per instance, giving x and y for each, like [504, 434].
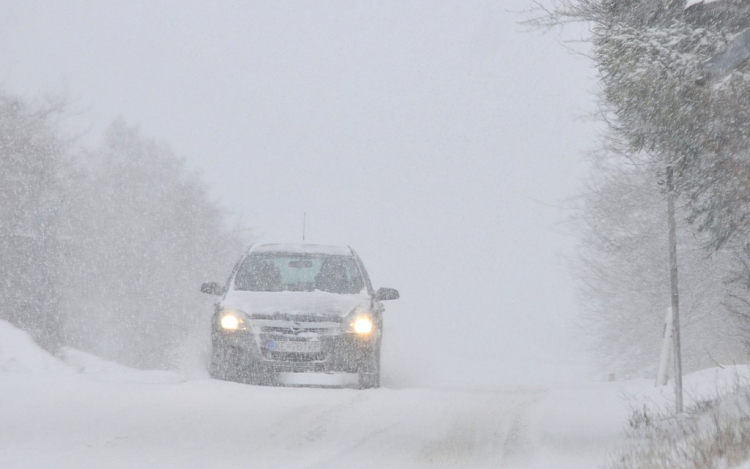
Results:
[384, 294]
[213, 288]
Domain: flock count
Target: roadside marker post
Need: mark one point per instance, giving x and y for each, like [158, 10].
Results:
[662, 375]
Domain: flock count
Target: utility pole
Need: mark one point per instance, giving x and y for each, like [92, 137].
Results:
[675, 290]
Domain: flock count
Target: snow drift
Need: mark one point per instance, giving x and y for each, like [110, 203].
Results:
[19, 353]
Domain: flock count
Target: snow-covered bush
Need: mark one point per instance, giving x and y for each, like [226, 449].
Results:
[713, 434]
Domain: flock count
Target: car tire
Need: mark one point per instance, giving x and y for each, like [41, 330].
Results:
[227, 365]
[369, 372]
[220, 365]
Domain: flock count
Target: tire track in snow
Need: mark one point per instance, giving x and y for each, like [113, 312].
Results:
[205, 423]
[518, 447]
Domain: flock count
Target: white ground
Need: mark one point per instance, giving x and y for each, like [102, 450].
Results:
[80, 411]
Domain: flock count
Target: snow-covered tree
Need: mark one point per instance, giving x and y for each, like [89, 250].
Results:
[32, 157]
[649, 55]
[729, 15]
[148, 237]
[623, 268]
[103, 249]
[661, 110]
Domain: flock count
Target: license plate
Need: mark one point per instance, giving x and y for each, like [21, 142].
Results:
[289, 346]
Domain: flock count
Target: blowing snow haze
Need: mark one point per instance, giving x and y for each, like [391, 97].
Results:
[374, 234]
[438, 139]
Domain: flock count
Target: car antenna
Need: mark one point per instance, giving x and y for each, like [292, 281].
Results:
[304, 222]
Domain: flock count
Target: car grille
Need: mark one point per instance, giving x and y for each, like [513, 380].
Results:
[294, 357]
[285, 330]
[295, 327]
[290, 325]
[296, 317]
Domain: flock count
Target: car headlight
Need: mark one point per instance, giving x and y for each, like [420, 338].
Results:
[359, 322]
[363, 325]
[231, 320]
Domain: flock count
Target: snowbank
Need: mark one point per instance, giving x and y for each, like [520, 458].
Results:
[99, 369]
[20, 354]
[713, 432]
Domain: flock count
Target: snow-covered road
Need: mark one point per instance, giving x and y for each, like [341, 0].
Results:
[79, 412]
[213, 424]
[155, 420]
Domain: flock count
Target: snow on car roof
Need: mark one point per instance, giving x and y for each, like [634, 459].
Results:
[303, 248]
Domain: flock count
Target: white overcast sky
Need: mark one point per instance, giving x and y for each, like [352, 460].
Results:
[436, 138]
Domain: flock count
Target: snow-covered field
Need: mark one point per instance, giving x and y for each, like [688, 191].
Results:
[79, 411]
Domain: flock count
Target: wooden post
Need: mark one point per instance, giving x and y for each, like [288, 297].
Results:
[675, 291]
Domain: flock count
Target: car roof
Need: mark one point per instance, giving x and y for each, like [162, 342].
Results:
[303, 248]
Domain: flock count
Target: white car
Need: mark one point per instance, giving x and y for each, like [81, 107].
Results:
[297, 308]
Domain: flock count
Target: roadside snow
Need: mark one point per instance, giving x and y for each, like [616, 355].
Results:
[20, 354]
[98, 369]
[698, 387]
[712, 433]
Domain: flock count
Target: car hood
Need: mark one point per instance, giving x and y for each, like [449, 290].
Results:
[315, 303]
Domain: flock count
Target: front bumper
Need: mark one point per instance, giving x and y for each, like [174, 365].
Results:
[340, 352]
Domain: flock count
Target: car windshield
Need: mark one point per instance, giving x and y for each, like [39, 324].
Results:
[279, 271]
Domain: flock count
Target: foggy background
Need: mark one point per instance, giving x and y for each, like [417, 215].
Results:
[439, 139]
